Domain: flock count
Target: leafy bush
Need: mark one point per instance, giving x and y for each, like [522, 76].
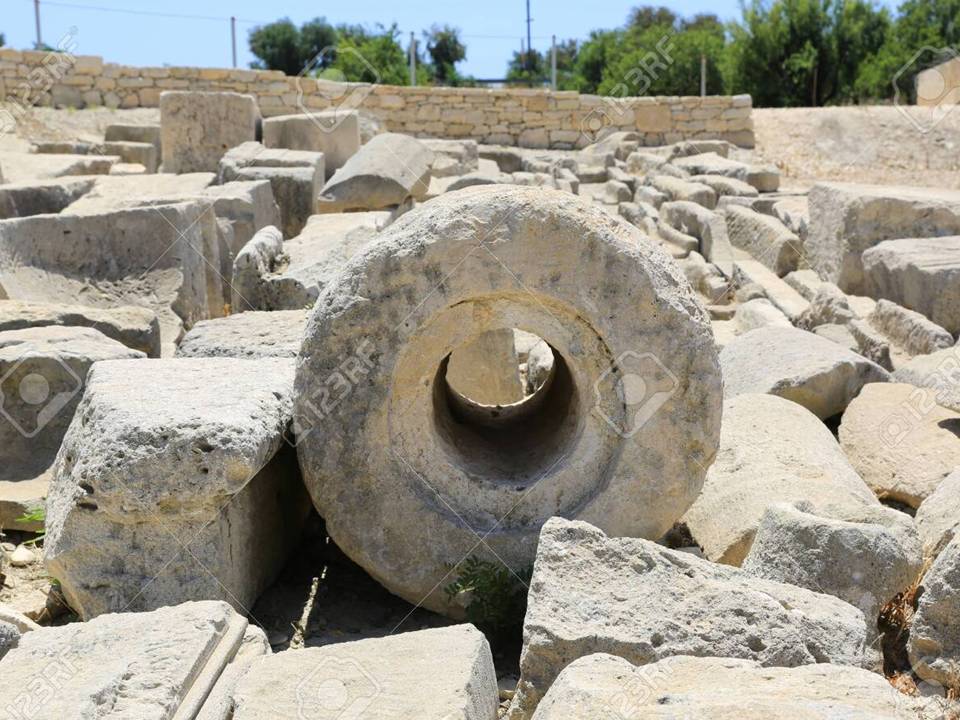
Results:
[496, 597]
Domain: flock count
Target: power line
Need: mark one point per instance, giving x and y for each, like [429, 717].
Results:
[148, 13]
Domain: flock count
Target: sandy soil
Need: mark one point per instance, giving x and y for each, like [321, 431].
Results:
[875, 144]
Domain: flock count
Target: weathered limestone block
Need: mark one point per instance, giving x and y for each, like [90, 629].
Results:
[866, 562]
[120, 132]
[248, 335]
[39, 197]
[799, 366]
[922, 274]
[396, 429]
[687, 148]
[726, 185]
[219, 702]
[148, 666]
[185, 461]
[677, 189]
[934, 643]
[335, 133]
[270, 274]
[135, 327]
[764, 178]
[938, 517]
[197, 128]
[454, 157]
[164, 257]
[687, 217]
[828, 306]
[747, 271]
[9, 637]
[486, 370]
[771, 450]
[605, 687]
[765, 238]
[847, 219]
[939, 371]
[439, 673]
[295, 176]
[144, 154]
[635, 599]
[794, 212]
[383, 173]
[900, 441]
[42, 375]
[913, 333]
[759, 312]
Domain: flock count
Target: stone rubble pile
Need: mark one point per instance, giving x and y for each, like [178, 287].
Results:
[709, 424]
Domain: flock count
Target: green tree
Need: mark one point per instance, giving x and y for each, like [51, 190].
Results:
[2, 40]
[374, 57]
[445, 50]
[277, 46]
[317, 37]
[593, 56]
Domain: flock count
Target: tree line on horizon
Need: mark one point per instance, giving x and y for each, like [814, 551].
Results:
[785, 53]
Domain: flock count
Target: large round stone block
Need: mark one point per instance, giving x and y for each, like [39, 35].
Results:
[413, 478]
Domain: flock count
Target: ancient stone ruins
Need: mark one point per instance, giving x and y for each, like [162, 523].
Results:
[321, 420]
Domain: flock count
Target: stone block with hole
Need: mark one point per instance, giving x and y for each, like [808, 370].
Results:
[175, 483]
[409, 474]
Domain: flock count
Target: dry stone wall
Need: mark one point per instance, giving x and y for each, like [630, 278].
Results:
[526, 117]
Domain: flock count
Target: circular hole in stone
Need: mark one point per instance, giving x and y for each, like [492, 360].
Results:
[505, 406]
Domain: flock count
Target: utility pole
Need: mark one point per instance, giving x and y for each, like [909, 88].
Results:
[553, 63]
[233, 38]
[413, 59]
[703, 75]
[529, 46]
[36, 14]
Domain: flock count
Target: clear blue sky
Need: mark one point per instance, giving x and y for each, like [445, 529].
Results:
[150, 40]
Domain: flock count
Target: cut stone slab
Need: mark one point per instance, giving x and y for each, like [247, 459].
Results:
[42, 375]
[759, 312]
[912, 333]
[182, 460]
[9, 637]
[453, 157]
[197, 128]
[295, 176]
[938, 517]
[771, 451]
[219, 702]
[113, 192]
[363, 461]
[130, 666]
[134, 153]
[384, 173]
[865, 563]
[642, 602]
[605, 687]
[486, 370]
[164, 257]
[270, 274]
[939, 372]
[687, 217]
[794, 212]
[39, 197]
[765, 238]
[247, 335]
[677, 189]
[335, 133]
[934, 643]
[799, 366]
[922, 274]
[135, 327]
[847, 219]
[439, 673]
[748, 271]
[726, 185]
[121, 132]
[900, 441]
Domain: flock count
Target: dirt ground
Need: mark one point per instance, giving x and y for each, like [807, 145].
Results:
[871, 144]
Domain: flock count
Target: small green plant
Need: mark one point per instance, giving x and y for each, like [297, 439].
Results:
[495, 596]
[34, 515]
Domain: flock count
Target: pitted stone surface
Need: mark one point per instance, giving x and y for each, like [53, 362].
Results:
[403, 485]
[129, 666]
[182, 459]
[633, 598]
[247, 335]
